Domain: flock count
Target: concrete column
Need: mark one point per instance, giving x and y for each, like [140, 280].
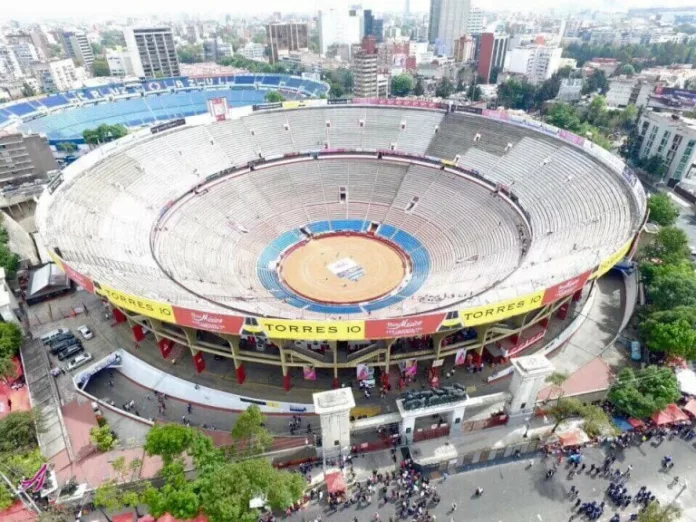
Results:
[406, 428]
[238, 366]
[456, 420]
[284, 367]
[334, 349]
[528, 379]
[333, 408]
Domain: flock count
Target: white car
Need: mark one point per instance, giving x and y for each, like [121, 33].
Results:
[85, 332]
[79, 360]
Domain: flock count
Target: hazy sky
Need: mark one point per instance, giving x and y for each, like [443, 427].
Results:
[33, 9]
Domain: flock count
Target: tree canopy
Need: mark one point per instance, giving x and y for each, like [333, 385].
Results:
[274, 97]
[100, 67]
[419, 90]
[444, 88]
[19, 453]
[103, 438]
[401, 84]
[671, 331]
[249, 432]
[104, 133]
[190, 53]
[222, 486]
[643, 393]
[670, 245]
[663, 210]
[658, 513]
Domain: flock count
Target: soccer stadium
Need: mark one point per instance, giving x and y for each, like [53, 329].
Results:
[344, 234]
[63, 116]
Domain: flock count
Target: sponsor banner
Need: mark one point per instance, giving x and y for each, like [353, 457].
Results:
[309, 373]
[217, 108]
[113, 359]
[525, 343]
[313, 330]
[364, 372]
[169, 125]
[406, 327]
[438, 362]
[338, 101]
[498, 311]
[397, 102]
[609, 262]
[84, 281]
[571, 138]
[565, 288]
[495, 115]
[267, 106]
[208, 320]
[295, 104]
[139, 305]
[470, 110]
[460, 357]
[409, 368]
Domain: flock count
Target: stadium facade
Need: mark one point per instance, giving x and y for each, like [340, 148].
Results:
[493, 222]
[63, 116]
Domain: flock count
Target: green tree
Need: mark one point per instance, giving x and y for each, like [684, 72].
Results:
[8, 370]
[658, 513]
[628, 70]
[55, 51]
[565, 408]
[563, 116]
[168, 441]
[10, 262]
[27, 90]
[670, 244]
[401, 85]
[18, 431]
[190, 53]
[642, 394]
[671, 331]
[103, 438]
[596, 82]
[112, 39]
[108, 496]
[419, 90]
[104, 133]
[10, 338]
[655, 166]
[66, 146]
[97, 49]
[516, 94]
[596, 422]
[274, 97]
[444, 88]
[597, 110]
[249, 432]
[493, 78]
[100, 67]
[663, 210]
[669, 290]
[556, 379]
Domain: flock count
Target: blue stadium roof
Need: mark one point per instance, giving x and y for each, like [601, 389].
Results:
[63, 116]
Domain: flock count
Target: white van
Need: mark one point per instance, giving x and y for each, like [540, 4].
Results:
[79, 360]
[49, 336]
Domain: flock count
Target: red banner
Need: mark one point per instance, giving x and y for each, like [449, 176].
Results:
[84, 281]
[565, 288]
[208, 320]
[138, 333]
[199, 361]
[165, 346]
[405, 327]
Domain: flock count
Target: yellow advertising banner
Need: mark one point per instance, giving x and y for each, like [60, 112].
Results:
[139, 305]
[313, 330]
[57, 260]
[502, 310]
[294, 104]
[609, 262]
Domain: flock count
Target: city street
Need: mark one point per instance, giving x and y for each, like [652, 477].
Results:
[516, 493]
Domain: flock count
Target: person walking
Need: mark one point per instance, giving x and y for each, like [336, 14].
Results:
[454, 507]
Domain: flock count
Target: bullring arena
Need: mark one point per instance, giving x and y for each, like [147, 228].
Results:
[342, 237]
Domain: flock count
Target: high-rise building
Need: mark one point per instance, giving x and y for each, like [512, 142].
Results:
[120, 62]
[491, 53]
[24, 51]
[464, 49]
[448, 21]
[369, 44]
[369, 23]
[40, 40]
[10, 68]
[671, 137]
[340, 27]
[365, 75]
[24, 158]
[476, 22]
[407, 7]
[284, 38]
[536, 62]
[153, 52]
[56, 75]
[78, 48]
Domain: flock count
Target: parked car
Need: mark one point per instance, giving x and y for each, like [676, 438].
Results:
[79, 360]
[57, 348]
[70, 351]
[85, 331]
[48, 336]
[60, 338]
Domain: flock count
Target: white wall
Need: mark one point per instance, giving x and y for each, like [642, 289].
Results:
[155, 379]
